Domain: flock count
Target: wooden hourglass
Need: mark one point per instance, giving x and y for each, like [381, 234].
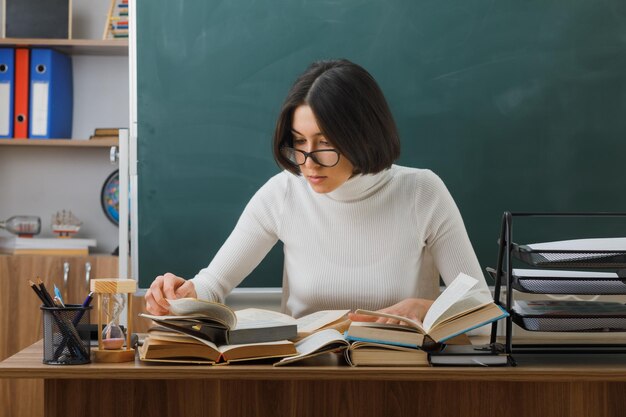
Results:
[110, 294]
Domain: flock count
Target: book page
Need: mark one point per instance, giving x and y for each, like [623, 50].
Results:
[316, 342]
[225, 348]
[220, 312]
[186, 320]
[412, 323]
[452, 294]
[256, 317]
[314, 321]
[462, 307]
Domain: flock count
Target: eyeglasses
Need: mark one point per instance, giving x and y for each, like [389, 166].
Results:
[325, 157]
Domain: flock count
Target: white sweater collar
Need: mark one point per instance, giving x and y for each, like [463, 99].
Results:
[360, 187]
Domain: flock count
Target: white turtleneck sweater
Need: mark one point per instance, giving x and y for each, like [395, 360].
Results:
[372, 242]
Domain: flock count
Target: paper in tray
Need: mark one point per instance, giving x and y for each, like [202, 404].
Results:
[569, 316]
[578, 253]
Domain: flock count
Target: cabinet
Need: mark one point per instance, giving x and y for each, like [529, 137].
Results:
[69, 174]
[20, 317]
[588, 267]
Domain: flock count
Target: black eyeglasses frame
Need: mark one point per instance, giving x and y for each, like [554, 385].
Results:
[309, 154]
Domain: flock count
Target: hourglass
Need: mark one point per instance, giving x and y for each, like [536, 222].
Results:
[111, 294]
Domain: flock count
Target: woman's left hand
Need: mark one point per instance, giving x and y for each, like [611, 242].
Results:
[412, 308]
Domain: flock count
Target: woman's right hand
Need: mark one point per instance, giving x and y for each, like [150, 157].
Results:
[167, 286]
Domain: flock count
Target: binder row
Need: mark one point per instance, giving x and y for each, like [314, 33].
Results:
[36, 94]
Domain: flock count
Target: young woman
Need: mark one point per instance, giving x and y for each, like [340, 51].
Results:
[358, 231]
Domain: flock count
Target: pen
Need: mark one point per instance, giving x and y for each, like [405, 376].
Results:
[84, 305]
[57, 296]
[75, 322]
[58, 302]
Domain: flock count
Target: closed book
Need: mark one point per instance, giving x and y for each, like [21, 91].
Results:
[106, 131]
[259, 332]
[45, 246]
[52, 252]
[94, 137]
[375, 354]
[468, 355]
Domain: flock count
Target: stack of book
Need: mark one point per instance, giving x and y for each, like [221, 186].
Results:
[456, 311]
[200, 331]
[105, 133]
[45, 246]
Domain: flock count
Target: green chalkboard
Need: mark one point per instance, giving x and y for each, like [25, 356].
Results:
[517, 105]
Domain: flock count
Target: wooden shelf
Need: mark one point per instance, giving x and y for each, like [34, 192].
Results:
[69, 143]
[113, 47]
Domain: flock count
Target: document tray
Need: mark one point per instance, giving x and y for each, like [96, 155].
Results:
[570, 323]
[569, 258]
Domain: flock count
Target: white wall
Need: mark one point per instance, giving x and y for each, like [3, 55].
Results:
[41, 181]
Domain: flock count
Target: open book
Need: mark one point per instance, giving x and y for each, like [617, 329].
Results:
[221, 325]
[181, 348]
[459, 309]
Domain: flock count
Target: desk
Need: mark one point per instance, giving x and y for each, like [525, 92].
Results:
[585, 389]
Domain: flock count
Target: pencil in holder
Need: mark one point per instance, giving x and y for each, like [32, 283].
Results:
[66, 335]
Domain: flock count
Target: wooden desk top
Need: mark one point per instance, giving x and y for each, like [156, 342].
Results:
[28, 364]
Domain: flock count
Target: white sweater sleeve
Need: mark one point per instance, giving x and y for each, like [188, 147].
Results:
[446, 236]
[254, 235]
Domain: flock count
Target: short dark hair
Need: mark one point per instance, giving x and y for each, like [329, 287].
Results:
[350, 110]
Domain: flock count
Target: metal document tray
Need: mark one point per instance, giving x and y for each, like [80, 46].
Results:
[570, 323]
[551, 284]
[599, 285]
[614, 259]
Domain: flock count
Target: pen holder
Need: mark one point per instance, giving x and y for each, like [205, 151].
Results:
[66, 335]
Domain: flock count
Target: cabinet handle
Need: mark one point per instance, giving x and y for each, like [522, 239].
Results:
[66, 275]
[113, 154]
[87, 273]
